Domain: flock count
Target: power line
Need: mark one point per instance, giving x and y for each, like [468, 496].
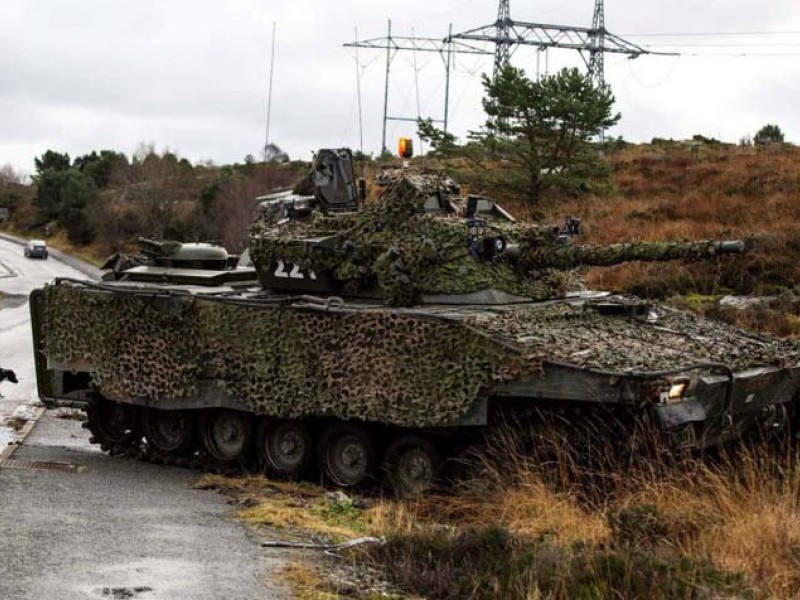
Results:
[710, 34]
[393, 44]
[591, 42]
[726, 45]
[741, 54]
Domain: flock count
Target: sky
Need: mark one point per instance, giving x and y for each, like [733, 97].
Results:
[191, 76]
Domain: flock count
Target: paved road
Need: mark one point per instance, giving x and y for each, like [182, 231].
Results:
[118, 528]
[18, 277]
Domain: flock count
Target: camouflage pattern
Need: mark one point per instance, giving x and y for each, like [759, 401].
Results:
[396, 366]
[660, 338]
[279, 360]
[400, 249]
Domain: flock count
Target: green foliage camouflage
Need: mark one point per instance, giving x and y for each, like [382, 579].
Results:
[581, 334]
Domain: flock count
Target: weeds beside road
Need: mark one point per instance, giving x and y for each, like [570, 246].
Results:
[523, 528]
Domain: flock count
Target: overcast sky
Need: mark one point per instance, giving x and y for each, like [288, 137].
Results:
[191, 75]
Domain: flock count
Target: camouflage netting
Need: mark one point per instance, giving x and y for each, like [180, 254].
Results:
[137, 348]
[414, 240]
[578, 334]
[409, 368]
[404, 251]
[278, 360]
[538, 252]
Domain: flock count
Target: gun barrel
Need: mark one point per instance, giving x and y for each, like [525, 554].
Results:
[568, 256]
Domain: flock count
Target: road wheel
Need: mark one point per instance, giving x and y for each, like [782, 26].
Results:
[347, 457]
[774, 426]
[169, 432]
[111, 423]
[285, 448]
[412, 465]
[226, 435]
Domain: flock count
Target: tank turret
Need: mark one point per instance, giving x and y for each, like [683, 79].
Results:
[185, 256]
[419, 242]
[177, 262]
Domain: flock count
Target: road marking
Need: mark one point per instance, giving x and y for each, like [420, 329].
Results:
[9, 272]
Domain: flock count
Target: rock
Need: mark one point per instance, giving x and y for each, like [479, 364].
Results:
[338, 497]
[746, 302]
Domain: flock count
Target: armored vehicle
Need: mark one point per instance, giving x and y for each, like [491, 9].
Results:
[383, 334]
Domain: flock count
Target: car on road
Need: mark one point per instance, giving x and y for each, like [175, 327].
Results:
[36, 249]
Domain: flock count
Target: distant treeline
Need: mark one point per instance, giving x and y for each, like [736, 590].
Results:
[107, 199]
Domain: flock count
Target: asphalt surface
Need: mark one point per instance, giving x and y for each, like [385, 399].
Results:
[110, 528]
[18, 277]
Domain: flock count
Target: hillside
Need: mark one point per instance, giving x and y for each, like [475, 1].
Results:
[711, 192]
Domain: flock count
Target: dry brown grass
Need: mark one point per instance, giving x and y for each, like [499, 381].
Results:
[745, 516]
[93, 253]
[688, 519]
[673, 193]
[292, 506]
[740, 513]
[307, 582]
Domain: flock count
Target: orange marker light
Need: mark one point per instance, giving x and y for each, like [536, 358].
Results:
[405, 148]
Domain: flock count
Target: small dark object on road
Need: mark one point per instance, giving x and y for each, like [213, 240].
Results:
[8, 374]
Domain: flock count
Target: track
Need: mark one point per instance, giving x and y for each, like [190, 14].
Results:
[345, 454]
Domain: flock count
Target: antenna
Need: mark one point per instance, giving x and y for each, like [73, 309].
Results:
[358, 91]
[269, 93]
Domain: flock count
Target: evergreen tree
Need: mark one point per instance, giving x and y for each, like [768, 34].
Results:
[544, 126]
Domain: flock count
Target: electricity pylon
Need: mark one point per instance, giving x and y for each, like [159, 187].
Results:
[591, 42]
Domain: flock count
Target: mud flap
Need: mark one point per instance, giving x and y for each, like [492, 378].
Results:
[675, 415]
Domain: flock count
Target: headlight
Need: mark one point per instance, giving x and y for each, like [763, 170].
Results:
[675, 392]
